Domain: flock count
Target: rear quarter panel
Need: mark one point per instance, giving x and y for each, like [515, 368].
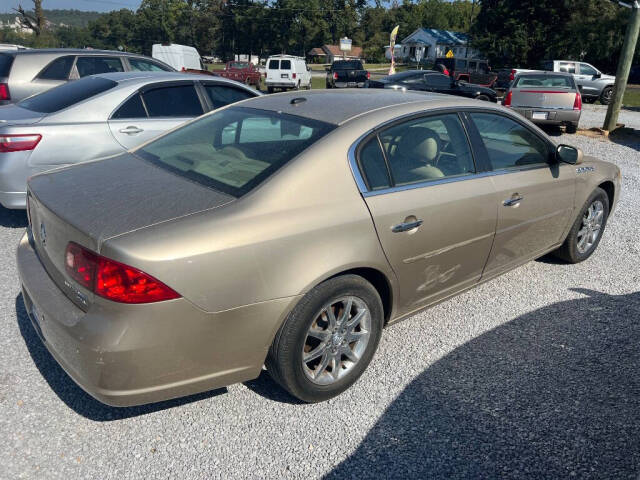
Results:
[305, 224]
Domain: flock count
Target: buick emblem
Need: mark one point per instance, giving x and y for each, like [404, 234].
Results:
[43, 234]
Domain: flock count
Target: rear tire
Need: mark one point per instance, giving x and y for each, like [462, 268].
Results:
[270, 89]
[572, 128]
[320, 351]
[587, 229]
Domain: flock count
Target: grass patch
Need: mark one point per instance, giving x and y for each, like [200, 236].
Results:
[631, 97]
[318, 82]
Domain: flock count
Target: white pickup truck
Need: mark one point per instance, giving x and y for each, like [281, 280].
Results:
[593, 84]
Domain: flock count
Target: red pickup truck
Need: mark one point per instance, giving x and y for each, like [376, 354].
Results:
[244, 72]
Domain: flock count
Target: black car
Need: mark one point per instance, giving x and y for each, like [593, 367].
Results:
[432, 81]
[346, 73]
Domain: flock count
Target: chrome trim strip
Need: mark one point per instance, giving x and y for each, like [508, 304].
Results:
[362, 186]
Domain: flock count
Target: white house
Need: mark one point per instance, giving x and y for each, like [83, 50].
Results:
[429, 43]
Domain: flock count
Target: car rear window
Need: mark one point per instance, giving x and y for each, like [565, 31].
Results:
[64, 96]
[234, 150]
[556, 81]
[274, 64]
[285, 65]
[5, 64]
[349, 65]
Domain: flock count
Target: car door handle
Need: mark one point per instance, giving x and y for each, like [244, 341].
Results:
[403, 227]
[131, 130]
[514, 200]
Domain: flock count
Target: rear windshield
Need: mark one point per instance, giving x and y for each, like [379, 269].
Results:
[556, 81]
[235, 149]
[5, 64]
[349, 65]
[274, 64]
[285, 65]
[64, 96]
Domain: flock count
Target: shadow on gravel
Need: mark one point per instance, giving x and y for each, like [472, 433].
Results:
[627, 137]
[71, 394]
[13, 218]
[267, 387]
[554, 393]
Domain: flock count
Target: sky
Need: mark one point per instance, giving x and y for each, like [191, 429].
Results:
[7, 6]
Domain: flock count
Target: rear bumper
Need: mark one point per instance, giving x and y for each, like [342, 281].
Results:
[555, 116]
[134, 354]
[281, 84]
[349, 84]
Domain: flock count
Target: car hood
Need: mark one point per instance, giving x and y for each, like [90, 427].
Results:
[110, 197]
[15, 115]
[608, 77]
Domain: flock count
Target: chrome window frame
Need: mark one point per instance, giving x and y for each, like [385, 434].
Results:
[462, 112]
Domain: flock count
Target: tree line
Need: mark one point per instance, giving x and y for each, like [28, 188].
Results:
[509, 32]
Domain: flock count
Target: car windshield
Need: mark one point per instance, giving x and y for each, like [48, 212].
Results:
[64, 96]
[556, 81]
[239, 65]
[347, 65]
[235, 149]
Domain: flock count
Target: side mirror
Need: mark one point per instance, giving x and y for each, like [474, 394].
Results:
[569, 154]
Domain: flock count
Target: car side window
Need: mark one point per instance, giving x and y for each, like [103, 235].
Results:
[132, 108]
[140, 65]
[567, 67]
[414, 79]
[586, 69]
[173, 101]
[508, 143]
[58, 69]
[427, 148]
[438, 80]
[221, 95]
[373, 165]
[94, 65]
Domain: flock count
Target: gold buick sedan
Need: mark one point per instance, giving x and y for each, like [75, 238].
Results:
[287, 231]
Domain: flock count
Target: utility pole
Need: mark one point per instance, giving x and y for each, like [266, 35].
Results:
[624, 66]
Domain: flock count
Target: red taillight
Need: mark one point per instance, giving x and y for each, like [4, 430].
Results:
[335, 75]
[512, 75]
[114, 280]
[293, 76]
[507, 100]
[368, 75]
[18, 143]
[4, 92]
[577, 103]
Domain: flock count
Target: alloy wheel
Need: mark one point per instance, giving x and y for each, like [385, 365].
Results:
[591, 227]
[336, 340]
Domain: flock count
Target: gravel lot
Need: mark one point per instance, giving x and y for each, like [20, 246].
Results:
[535, 374]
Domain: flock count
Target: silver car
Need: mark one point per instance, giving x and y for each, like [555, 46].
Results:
[100, 116]
[24, 73]
[546, 98]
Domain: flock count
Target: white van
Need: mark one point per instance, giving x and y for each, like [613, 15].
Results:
[287, 72]
[180, 57]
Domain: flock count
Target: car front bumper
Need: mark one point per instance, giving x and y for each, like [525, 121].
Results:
[135, 354]
[554, 116]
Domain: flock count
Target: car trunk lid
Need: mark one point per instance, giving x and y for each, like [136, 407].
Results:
[16, 115]
[90, 203]
[546, 97]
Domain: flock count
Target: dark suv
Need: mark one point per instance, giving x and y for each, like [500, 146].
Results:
[26, 72]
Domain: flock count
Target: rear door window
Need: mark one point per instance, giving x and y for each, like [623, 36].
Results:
[285, 65]
[66, 95]
[58, 69]
[5, 64]
[274, 64]
[173, 101]
[567, 67]
[132, 108]
[221, 95]
[94, 65]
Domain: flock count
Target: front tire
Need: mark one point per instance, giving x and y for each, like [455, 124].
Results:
[328, 339]
[587, 230]
[606, 96]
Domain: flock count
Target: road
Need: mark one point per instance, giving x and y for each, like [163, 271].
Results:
[532, 375]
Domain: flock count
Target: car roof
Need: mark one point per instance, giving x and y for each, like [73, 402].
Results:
[71, 51]
[545, 74]
[339, 106]
[145, 77]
